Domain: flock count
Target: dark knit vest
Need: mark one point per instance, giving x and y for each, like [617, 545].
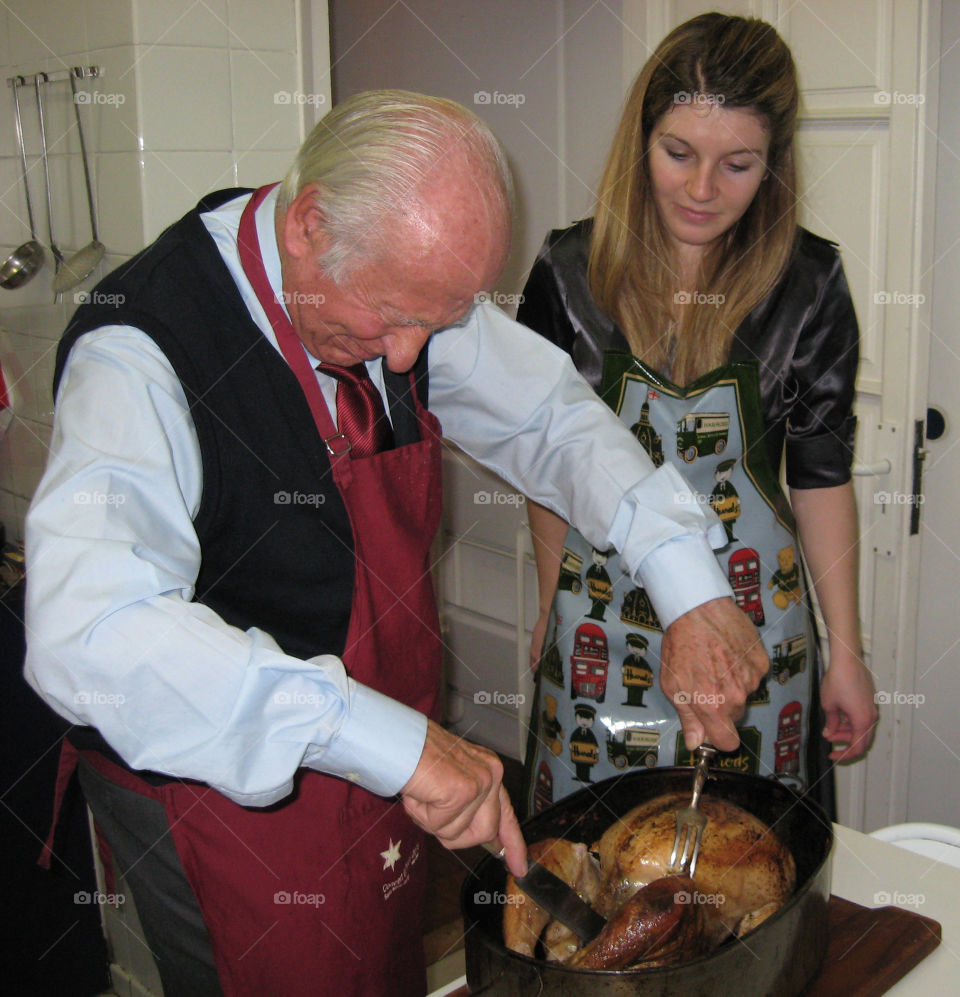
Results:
[275, 539]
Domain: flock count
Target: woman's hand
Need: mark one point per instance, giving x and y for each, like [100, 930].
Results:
[847, 698]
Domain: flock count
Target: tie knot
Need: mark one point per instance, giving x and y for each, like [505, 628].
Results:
[361, 417]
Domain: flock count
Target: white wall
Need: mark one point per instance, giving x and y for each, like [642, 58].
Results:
[185, 105]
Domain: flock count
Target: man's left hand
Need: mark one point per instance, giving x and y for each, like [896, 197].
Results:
[712, 658]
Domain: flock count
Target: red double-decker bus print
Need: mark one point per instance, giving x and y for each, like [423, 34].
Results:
[743, 571]
[588, 663]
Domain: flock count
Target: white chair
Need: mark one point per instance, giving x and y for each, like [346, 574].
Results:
[935, 841]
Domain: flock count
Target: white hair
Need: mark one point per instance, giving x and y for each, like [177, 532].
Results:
[374, 154]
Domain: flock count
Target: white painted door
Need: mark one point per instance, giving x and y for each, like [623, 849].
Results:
[930, 706]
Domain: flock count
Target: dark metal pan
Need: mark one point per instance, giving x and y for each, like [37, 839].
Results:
[778, 959]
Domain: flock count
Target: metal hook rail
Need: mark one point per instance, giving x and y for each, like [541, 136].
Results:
[58, 76]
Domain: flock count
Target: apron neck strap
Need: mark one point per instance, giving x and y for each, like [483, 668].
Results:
[251, 259]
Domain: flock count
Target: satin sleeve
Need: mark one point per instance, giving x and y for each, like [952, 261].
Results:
[821, 425]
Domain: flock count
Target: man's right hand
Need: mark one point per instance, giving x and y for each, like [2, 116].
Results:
[456, 793]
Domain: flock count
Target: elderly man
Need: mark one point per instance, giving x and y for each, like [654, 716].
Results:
[229, 552]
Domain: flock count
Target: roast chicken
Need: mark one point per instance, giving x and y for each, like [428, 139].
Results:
[743, 875]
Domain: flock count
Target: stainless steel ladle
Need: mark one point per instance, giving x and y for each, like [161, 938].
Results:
[39, 79]
[83, 262]
[25, 262]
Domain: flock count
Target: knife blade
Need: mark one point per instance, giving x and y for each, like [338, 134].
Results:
[558, 899]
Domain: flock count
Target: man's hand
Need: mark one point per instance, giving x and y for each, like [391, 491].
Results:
[457, 794]
[712, 658]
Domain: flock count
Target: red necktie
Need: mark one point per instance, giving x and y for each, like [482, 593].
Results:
[360, 414]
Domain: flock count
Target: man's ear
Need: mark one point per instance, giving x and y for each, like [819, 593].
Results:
[302, 228]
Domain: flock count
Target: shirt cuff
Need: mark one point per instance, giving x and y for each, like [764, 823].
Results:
[378, 746]
[682, 574]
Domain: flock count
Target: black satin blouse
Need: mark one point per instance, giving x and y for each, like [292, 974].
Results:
[804, 336]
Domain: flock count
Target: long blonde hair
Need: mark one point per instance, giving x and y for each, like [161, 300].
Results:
[744, 63]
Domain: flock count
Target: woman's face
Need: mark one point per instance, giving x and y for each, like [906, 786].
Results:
[706, 165]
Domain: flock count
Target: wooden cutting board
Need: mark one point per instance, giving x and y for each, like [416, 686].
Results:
[870, 949]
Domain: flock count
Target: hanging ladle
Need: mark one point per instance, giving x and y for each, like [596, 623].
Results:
[84, 261]
[25, 261]
[54, 248]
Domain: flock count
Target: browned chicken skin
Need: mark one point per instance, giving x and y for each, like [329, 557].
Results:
[743, 875]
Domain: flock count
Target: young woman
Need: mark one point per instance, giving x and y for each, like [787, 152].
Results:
[725, 336]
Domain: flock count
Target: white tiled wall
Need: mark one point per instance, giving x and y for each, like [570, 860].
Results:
[187, 103]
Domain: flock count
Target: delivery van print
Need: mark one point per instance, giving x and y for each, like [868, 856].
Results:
[633, 746]
[789, 658]
[702, 433]
[589, 663]
[570, 566]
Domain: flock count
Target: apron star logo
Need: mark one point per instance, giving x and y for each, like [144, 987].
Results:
[392, 855]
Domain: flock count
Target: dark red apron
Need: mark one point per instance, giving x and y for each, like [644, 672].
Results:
[323, 893]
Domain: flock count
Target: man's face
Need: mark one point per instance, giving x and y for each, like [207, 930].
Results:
[443, 257]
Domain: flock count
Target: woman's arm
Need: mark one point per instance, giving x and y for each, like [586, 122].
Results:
[827, 525]
[548, 531]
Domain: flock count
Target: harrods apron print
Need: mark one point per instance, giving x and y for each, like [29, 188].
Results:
[599, 709]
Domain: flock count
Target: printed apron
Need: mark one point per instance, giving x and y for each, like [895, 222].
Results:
[599, 709]
[323, 892]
